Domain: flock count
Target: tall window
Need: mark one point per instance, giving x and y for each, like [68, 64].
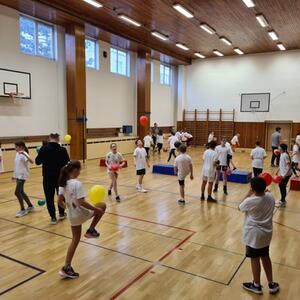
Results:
[119, 62]
[165, 75]
[91, 54]
[37, 38]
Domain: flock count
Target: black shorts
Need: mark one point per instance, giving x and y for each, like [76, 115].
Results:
[181, 182]
[141, 172]
[222, 168]
[254, 253]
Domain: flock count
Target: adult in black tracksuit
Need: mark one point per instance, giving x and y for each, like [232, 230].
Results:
[52, 157]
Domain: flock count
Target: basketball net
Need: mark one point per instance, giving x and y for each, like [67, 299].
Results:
[15, 96]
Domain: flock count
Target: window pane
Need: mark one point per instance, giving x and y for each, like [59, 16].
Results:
[167, 75]
[27, 36]
[45, 40]
[122, 66]
[90, 53]
[113, 60]
[161, 72]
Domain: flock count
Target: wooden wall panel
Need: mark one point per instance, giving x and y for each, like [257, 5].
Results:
[295, 129]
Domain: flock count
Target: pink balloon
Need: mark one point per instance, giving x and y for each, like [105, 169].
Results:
[228, 172]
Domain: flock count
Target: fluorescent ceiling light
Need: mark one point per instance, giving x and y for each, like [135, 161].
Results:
[226, 41]
[181, 46]
[129, 20]
[238, 51]
[262, 20]
[273, 35]
[94, 3]
[249, 3]
[199, 55]
[218, 53]
[281, 47]
[207, 28]
[183, 11]
[159, 35]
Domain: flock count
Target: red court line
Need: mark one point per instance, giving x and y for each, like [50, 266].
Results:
[289, 227]
[146, 271]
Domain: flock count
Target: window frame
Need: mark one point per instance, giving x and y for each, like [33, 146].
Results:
[36, 40]
[128, 66]
[96, 52]
[163, 82]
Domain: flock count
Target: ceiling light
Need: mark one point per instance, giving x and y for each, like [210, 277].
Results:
[199, 55]
[94, 3]
[207, 28]
[262, 20]
[273, 35]
[249, 3]
[183, 11]
[159, 35]
[181, 46]
[238, 51]
[129, 20]
[281, 47]
[224, 40]
[218, 53]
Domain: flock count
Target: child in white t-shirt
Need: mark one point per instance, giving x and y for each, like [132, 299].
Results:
[210, 158]
[72, 197]
[114, 161]
[258, 207]
[222, 166]
[172, 140]
[1, 160]
[159, 140]
[179, 136]
[148, 142]
[295, 157]
[235, 142]
[21, 174]
[258, 155]
[140, 162]
[211, 137]
[183, 167]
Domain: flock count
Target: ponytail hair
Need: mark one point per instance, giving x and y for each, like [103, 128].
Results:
[67, 170]
[22, 145]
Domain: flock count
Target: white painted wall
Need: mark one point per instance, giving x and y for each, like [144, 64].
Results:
[218, 83]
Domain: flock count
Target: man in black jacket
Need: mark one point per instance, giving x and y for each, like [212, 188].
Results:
[53, 157]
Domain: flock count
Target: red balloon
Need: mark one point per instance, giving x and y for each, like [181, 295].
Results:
[228, 172]
[143, 120]
[277, 152]
[267, 178]
[277, 179]
[115, 167]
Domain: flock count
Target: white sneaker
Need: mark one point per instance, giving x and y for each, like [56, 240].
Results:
[21, 213]
[30, 209]
[141, 190]
[280, 204]
[137, 187]
[62, 217]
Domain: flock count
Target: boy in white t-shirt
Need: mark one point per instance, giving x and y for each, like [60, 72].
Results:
[1, 160]
[183, 167]
[235, 142]
[159, 140]
[140, 162]
[148, 142]
[210, 158]
[211, 137]
[258, 207]
[172, 140]
[258, 155]
[295, 157]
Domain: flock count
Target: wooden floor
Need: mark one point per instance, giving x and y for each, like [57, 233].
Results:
[150, 248]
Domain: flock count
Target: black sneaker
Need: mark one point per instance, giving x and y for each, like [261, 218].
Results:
[202, 198]
[249, 286]
[234, 169]
[211, 199]
[109, 193]
[53, 221]
[225, 190]
[215, 189]
[273, 287]
[68, 272]
[92, 233]
[118, 199]
[181, 202]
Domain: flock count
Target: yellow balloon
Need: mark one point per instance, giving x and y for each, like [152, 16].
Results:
[97, 194]
[68, 138]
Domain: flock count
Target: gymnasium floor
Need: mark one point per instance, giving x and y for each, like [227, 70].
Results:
[150, 248]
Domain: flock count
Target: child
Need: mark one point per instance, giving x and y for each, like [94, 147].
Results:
[183, 167]
[148, 142]
[1, 160]
[72, 195]
[21, 174]
[229, 156]
[223, 153]
[258, 154]
[258, 207]
[160, 140]
[235, 142]
[171, 141]
[295, 157]
[211, 137]
[114, 158]
[285, 170]
[210, 158]
[140, 161]
[179, 135]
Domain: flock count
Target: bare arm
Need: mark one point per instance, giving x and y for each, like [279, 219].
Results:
[191, 172]
[61, 201]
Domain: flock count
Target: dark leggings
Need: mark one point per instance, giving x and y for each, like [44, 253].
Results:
[20, 194]
[154, 141]
[159, 147]
[172, 152]
[282, 187]
[275, 157]
[257, 171]
[147, 150]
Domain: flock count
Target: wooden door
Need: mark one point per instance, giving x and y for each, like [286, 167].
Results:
[285, 132]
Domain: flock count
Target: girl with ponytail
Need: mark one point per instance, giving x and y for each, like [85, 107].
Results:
[72, 197]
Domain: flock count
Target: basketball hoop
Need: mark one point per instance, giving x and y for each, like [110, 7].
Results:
[15, 96]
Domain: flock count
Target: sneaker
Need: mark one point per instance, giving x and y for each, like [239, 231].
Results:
[273, 287]
[68, 272]
[215, 188]
[109, 193]
[118, 199]
[137, 187]
[225, 190]
[30, 208]
[211, 199]
[181, 202]
[142, 190]
[202, 198]
[53, 221]
[280, 204]
[92, 233]
[249, 286]
[21, 213]
[62, 217]
[234, 169]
